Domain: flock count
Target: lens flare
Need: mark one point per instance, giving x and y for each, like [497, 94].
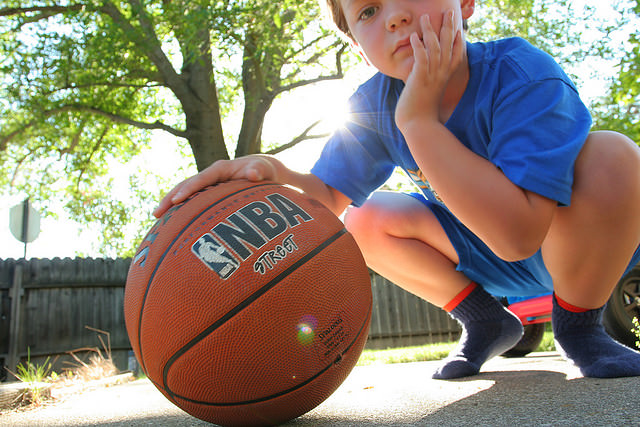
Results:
[306, 330]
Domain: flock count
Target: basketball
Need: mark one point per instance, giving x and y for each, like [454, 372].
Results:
[247, 304]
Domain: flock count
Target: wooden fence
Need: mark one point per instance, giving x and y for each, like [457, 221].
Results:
[59, 298]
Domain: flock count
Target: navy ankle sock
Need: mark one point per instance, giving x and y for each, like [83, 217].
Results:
[488, 329]
[581, 338]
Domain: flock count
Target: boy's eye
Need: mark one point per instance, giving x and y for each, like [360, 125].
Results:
[367, 13]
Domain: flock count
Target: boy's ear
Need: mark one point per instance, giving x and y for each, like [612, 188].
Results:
[467, 7]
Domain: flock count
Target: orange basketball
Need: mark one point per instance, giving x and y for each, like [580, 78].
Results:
[248, 304]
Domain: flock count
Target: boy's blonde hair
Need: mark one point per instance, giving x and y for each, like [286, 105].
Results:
[337, 15]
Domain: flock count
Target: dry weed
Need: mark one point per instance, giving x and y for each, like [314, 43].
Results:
[99, 365]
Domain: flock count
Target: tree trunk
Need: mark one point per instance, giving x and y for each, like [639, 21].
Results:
[205, 137]
[257, 101]
[250, 138]
[202, 111]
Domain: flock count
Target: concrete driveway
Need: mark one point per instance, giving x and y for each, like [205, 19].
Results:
[537, 390]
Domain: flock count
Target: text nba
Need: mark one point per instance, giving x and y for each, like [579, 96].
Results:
[250, 228]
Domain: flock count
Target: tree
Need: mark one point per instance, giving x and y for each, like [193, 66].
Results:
[620, 108]
[548, 24]
[83, 83]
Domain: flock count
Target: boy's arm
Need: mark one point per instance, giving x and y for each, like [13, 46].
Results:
[512, 221]
[255, 168]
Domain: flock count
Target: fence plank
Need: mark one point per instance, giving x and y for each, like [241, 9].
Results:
[400, 318]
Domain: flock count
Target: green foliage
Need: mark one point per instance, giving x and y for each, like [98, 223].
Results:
[620, 108]
[548, 24]
[548, 343]
[83, 83]
[30, 373]
[34, 376]
[421, 353]
[428, 352]
[636, 330]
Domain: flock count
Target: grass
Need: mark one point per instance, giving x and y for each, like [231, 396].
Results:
[406, 354]
[31, 373]
[36, 377]
[547, 344]
[39, 378]
[428, 352]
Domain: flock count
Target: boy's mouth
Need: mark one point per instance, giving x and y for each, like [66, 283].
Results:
[401, 45]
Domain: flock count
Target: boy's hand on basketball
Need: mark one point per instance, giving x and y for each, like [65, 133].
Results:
[253, 168]
[435, 59]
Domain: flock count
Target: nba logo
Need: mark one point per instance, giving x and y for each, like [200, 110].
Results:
[215, 256]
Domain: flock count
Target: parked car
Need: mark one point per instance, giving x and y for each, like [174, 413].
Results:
[617, 318]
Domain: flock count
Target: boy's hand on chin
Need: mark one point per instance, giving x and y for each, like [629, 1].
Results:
[435, 59]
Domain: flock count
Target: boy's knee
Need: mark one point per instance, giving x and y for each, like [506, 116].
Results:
[362, 221]
[608, 169]
[381, 214]
[353, 220]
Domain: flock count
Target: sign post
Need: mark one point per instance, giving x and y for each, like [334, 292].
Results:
[24, 223]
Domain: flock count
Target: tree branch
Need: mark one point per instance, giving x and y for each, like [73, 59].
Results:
[43, 10]
[101, 84]
[147, 41]
[157, 125]
[16, 170]
[302, 137]
[304, 47]
[338, 75]
[97, 145]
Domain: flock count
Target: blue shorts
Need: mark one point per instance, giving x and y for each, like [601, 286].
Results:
[528, 277]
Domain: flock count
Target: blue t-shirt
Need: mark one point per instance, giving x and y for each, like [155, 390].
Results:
[519, 110]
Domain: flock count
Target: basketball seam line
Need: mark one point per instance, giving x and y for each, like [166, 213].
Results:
[237, 309]
[245, 303]
[289, 390]
[159, 262]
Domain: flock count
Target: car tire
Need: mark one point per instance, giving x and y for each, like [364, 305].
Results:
[530, 341]
[623, 306]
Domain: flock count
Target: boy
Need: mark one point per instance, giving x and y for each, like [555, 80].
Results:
[518, 198]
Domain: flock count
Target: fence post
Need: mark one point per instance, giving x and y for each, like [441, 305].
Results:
[16, 308]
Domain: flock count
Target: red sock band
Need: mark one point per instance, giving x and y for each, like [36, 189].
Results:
[458, 298]
[569, 307]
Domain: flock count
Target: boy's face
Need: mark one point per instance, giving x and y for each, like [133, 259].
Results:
[381, 28]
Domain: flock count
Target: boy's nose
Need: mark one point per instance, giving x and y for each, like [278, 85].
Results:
[398, 18]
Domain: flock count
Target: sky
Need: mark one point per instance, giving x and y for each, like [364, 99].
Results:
[288, 117]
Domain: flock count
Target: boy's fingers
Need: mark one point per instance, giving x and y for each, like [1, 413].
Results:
[420, 57]
[166, 202]
[456, 53]
[220, 171]
[447, 35]
[186, 188]
[430, 40]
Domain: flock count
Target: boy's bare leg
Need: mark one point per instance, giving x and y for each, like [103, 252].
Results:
[589, 245]
[403, 240]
